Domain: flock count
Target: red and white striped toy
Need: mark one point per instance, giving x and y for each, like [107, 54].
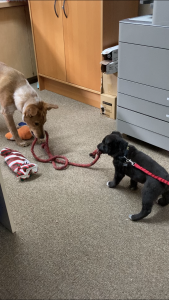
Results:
[18, 163]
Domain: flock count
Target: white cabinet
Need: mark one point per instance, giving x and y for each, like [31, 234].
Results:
[143, 82]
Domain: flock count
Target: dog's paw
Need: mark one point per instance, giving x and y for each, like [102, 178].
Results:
[133, 185]
[111, 184]
[130, 217]
[22, 143]
[133, 217]
[41, 141]
[136, 217]
[132, 188]
[162, 202]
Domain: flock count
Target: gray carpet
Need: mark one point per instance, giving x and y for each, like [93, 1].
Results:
[74, 239]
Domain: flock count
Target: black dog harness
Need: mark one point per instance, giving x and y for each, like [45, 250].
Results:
[126, 161]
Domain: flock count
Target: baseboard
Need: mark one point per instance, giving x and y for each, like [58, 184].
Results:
[69, 91]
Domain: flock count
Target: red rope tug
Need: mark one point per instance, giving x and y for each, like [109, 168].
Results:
[62, 159]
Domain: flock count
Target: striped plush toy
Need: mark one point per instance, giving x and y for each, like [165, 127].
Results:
[18, 163]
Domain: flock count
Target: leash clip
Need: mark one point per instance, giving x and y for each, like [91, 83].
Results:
[130, 161]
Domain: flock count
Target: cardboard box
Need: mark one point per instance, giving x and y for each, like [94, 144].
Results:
[108, 105]
[109, 84]
[109, 67]
[111, 53]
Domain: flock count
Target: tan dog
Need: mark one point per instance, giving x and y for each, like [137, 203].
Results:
[17, 94]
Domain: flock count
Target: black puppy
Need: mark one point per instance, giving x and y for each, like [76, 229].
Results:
[115, 146]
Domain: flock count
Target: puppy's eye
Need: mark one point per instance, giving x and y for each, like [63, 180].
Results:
[36, 123]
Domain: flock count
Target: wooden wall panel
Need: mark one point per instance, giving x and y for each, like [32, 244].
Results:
[113, 12]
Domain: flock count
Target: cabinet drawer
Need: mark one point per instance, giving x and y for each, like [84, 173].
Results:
[144, 34]
[146, 122]
[144, 107]
[145, 65]
[143, 134]
[143, 91]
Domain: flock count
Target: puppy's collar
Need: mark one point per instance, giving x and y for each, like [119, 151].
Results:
[126, 151]
[124, 157]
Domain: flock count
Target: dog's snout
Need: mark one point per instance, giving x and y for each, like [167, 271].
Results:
[100, 146]
[42, 136]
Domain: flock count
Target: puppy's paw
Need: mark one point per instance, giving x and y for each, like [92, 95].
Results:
[132, 188]
[162, 202]
[133, 217]
[22, 143]
[41, 141]
[130, 217]
[111, 184]
[133, 185]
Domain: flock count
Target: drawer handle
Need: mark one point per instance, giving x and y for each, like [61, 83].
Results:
[55, 8]
[167, 116]
[64, 8]
[167, 98]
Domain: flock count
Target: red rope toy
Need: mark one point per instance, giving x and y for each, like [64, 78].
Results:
[63, 160]
[95, 154]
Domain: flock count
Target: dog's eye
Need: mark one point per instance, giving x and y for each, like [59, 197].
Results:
[36, 123]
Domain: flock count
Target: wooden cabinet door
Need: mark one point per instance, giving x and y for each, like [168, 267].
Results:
[82, 36]
[48, 38]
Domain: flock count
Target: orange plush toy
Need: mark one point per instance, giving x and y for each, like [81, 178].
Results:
[23, 132]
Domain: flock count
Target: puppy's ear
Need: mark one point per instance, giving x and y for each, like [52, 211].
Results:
[117, 133]
[122, 145]
[49, 106]
[31, 111]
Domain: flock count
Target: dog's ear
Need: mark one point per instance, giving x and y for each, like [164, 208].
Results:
[49, 106]
[122, 145]
[117, 133]
[31, 111]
